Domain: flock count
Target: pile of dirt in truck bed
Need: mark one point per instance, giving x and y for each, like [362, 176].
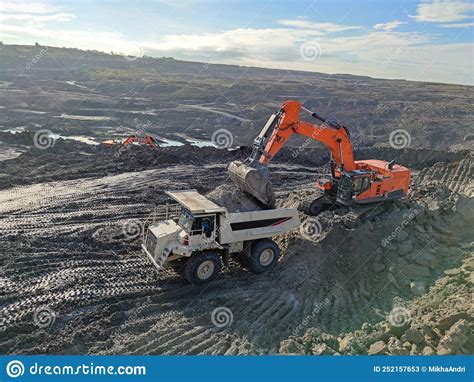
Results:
[233, 199]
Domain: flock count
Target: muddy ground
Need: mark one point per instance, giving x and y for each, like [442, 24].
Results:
[73, 280]
[75, 92]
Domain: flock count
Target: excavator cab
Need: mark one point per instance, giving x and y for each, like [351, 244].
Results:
[351, 185]
[345, 190]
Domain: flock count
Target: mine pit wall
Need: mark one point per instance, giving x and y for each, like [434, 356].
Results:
[413, 158]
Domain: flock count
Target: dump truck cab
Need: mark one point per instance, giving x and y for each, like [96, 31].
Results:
[196, 236]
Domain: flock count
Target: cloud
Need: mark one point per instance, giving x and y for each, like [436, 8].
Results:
[321, 27]
[32, 14]
[443, 11]
[380, 51]
[457, 25]
[27, 7]
[57, 17]
[391, 25]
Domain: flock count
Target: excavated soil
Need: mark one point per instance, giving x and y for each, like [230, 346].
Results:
[233, 199]
[73, 279]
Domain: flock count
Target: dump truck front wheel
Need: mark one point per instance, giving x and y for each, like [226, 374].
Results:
[263, 255]
[202, 268]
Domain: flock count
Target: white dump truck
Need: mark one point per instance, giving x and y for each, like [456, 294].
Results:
[195, 236]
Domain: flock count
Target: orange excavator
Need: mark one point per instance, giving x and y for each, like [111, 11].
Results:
[133, 139]
[352, 182]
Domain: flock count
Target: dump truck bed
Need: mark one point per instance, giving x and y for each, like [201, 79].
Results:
[245, 226]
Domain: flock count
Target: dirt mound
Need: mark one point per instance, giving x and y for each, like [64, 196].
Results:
[419, 266]
[227, 195]
[331, 292]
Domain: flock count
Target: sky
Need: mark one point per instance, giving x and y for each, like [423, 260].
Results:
[405, 39]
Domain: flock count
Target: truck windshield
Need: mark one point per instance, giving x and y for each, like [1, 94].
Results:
[185, 220]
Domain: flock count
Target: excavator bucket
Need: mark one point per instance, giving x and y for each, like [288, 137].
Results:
[253, 180]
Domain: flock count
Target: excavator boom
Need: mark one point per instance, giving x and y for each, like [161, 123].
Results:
[252, 175]
[383, 179]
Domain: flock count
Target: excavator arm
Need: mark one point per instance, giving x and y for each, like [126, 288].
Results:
[334, 136]
[252, 175]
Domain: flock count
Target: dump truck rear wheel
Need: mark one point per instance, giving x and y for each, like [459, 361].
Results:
[263, 255]
[202, 268]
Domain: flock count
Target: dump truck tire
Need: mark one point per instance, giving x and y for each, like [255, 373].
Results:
[202, 268]
[263, 255]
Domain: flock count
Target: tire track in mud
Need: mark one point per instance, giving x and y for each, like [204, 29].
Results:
[108, 299]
